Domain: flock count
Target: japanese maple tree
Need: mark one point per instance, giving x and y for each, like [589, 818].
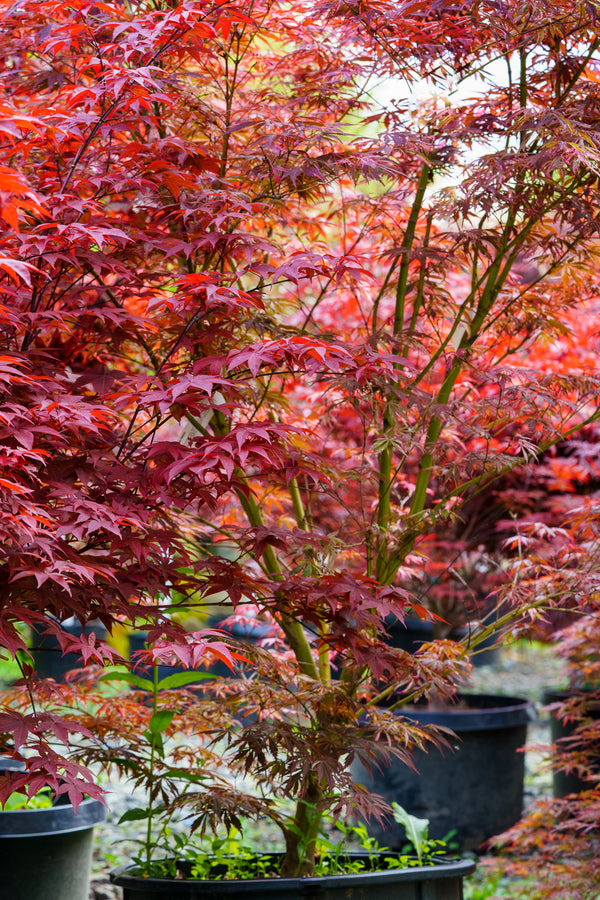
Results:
[245, 298]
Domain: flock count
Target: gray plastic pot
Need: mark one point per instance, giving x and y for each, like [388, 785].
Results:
[473, 788]
[439, 882]
[46, 854]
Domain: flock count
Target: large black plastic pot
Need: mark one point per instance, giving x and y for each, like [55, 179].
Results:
[410, 634]
[561, 730]
[474, 787]
[439, 882]
[46, 854]
[48, 658]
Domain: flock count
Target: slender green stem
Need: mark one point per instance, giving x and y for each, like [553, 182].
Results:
[384, 502]
[561, 95]
[407, 245]
[151, 777]
[420, 288]
[385, 458]
[381, 292]
[433, 433]
[523, 78]
[299, 511]
[301, 519]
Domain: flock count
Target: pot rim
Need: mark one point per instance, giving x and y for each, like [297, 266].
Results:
[123, 877]
[488, 711]
[59, 819]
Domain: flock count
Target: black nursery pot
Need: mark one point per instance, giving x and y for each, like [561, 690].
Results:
[439, 882]
[413, 632]
[473, 788]
[564, 783]
[46, 854]
[48, 658]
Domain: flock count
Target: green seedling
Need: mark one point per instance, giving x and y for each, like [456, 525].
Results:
[159, 723]
[417, 833]
[229, 858]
